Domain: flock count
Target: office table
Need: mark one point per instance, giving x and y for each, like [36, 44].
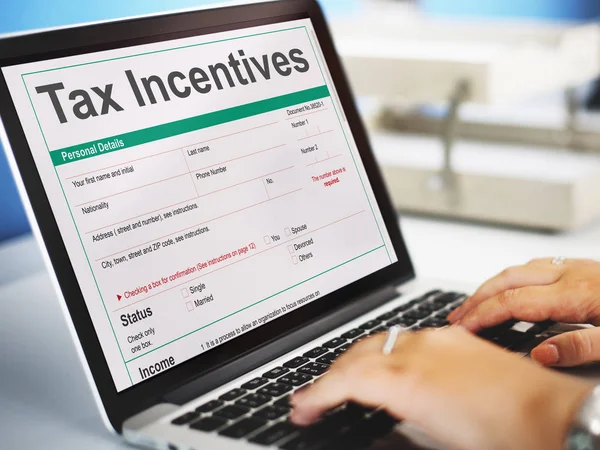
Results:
[44, 398]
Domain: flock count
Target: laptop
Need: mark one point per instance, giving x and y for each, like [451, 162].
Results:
[214, 221]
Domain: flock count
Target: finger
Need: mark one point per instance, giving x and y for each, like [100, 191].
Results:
[541, 261]
[351, 377]
[569, 349]
[511, 278]
[566, 262]
[532, 304]
[368, 381]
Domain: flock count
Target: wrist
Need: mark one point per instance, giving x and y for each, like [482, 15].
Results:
[554, 409]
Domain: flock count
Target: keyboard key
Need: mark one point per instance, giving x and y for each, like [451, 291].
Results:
[381, 423]
[539, 328]
[435, 323]
[295, 379]
[210, 406]
[370, 325]
[186, 418]
[272, 412]
[352, 333]
[341, 420]
[428, 307]
[378, 330]
[253, 400]
[402, 321]
[275, 433]
[404, 307]
[319, 435]
[296, 362]
[255, 383]
[307, 442]
[336, 342]
[490, 333]
[407, 321]
[275, 389]
[303, 442]
[360, 408]
[243, 427]
[417, 314]
[438, 304]
[315, 352]
[523, 327]
[512, 339]
[356, 439]
[366, 431]
[387, 316]
[232, 395]
[276, 372]
[451, 308]
[232, 412]
[209, 424]
[314, 368]
[453, 296]
[284, 401]
[343, 349]
[435, 292]
[328, 359]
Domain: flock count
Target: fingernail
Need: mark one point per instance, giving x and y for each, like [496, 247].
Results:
[458, 314]
[546, 354]
[297, 418]
[296, 396]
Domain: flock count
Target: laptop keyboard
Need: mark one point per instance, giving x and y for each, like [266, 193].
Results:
[258, 410]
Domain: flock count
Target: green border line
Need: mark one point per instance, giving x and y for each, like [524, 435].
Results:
[74, 222]
[349, 148]
[256, 303]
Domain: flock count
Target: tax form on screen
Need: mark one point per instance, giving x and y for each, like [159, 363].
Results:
[202, 186]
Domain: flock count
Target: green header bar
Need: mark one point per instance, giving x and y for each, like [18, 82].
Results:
[127, 140]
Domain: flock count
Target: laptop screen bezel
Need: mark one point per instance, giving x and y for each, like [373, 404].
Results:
[106, 36]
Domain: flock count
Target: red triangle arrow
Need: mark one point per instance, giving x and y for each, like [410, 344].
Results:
[119, 297]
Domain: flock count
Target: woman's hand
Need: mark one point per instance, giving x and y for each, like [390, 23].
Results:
[540, 291]
[464, 392]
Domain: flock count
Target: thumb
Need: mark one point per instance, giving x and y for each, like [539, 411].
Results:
[569, 349]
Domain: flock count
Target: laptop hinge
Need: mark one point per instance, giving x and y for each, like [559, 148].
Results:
[282, 345]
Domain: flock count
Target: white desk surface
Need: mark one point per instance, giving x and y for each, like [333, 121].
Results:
[47, 405]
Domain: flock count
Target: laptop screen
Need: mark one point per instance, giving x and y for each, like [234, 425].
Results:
[202, 187]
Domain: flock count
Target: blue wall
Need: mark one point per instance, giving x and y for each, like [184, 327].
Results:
[20, 15]
[547, 9]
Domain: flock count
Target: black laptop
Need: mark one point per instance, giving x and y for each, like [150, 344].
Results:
[213, 217]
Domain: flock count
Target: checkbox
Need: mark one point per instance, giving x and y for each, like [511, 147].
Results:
[185, 293]
[190, 306]
[295, 259]
[267, 240]
[288, 232]
[291, 249]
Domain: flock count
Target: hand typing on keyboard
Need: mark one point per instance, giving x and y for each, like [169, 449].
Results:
[540, 290]
[464, 392]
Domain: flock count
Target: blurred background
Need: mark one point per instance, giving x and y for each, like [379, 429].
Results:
[478, 110]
